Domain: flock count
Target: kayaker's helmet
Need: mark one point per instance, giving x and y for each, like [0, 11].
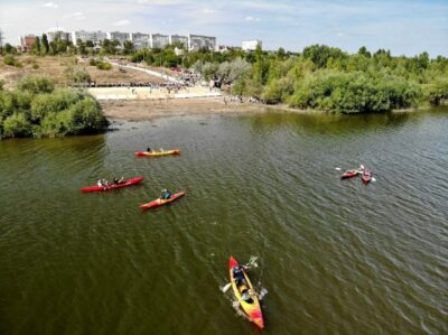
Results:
[164, 190]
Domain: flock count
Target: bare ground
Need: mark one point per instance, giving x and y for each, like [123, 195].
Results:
[140, 110]
[60, 68]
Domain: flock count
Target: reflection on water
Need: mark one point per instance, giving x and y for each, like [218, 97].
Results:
[336, 256]
[327, 123]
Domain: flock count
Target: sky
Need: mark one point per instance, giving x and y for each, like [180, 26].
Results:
[406, 27]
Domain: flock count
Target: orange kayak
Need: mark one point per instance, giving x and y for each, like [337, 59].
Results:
[172, 152]
[248, 301]
[160, 202]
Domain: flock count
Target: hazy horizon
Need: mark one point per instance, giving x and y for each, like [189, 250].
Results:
[403, 27]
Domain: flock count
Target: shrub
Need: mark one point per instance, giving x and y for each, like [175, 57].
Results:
[36, 84]
[277, 91]
[16, 125]
[81, 77]
[103, 65]
[10, 60]
[437, 92]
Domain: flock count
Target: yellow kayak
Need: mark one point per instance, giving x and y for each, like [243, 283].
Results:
[157, 153]
[245, 293]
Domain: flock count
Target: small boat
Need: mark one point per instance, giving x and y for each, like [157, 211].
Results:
[172, 152]
[160, 202]
[350, 174]
[251, 305]
[366, 176]
[113, 186]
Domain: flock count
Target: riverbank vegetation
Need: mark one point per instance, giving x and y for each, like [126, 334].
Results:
[320, 77]
[37, 109]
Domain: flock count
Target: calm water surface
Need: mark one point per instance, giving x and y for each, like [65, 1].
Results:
[337, 257]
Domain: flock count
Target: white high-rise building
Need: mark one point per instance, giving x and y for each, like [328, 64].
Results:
[59, 34]
[140, 40]
[179, 39]
[119, 36]
[97, 37]
[159, 41]
[250, 45]
[196, 42]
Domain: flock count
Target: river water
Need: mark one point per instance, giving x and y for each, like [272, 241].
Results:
[336, 257]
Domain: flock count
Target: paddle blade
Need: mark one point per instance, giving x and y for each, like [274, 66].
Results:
[226, 287]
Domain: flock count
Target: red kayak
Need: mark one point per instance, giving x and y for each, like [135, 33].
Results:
[125, 183]
[366, 176]
[160, 202]
[350, 174]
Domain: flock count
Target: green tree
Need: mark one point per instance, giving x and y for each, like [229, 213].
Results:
[364, 52]
[36, 46]
[45, 44]
[281, 54]
[9, 49]
[128, 47]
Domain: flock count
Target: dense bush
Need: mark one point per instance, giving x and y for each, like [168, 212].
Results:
[437, 91]
[37, 109]
[36, 84]
[354, 93]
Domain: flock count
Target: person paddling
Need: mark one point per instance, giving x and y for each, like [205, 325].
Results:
[165, 195]
[148, 149]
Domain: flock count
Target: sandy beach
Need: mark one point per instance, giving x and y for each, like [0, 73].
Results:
[140, 110]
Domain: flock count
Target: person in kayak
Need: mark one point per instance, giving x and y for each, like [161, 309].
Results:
[102, 182]
[115, 180]
[238, 274]
[246, 296]
[148, 149]
[165, 194]
[121, 180]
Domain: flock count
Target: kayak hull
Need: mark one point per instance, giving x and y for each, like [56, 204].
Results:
[252, 310]
[126, 183]
[350, 174]
[161, 202]
[154, 154]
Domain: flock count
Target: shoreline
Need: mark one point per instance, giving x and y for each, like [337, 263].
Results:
[148, 109]
[144, 110]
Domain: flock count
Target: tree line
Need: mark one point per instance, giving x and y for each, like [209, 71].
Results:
[320, 77]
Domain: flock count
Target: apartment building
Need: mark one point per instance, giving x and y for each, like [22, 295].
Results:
[97, 37]
[140, 40]
[158, 41]
[196, 42]
[119, 36]
[179, 39]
